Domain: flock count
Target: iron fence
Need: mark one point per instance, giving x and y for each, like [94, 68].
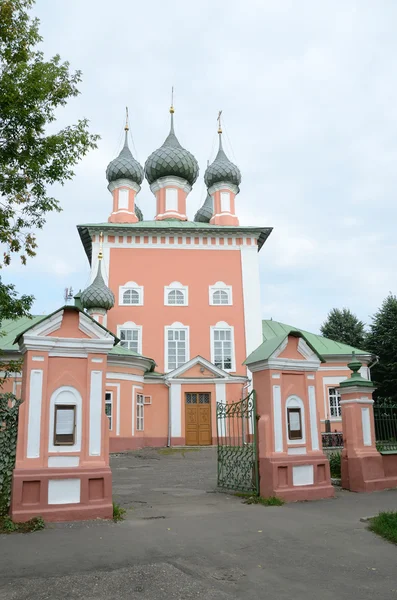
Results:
[385, 417]
[332, 441]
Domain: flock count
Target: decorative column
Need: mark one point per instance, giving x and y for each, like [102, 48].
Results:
[362, 464]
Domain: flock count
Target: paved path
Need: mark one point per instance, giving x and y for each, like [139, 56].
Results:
[181, 540]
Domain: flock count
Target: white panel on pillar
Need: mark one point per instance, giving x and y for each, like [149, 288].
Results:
[123, 199]
[64, 491]
[34, 424]
[95, 413]
[313, 417]
[277, 419]
[176, 410]
[366, 423]
[252, 297]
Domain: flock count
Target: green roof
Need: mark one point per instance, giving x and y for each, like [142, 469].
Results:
[10, 329]
[322, 345]
[86, 229]
[266, 349]
[121, 351]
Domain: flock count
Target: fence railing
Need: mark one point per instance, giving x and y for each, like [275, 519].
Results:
[332, 440]
[385, 416]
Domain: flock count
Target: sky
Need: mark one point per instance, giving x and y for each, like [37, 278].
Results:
[308, 93]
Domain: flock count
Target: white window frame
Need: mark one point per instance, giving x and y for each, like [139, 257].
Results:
[171, 199]
[175, 285]
[221, 326]
[130, 285]
[178, 326]
[217, 287]
[225, 202]
[123, 199]
[295, 402]
[133, 326]
[140, 412]
[338, 406]
[74, 398]
[109, 401]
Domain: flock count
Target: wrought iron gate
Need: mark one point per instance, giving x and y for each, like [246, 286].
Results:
[237, 445]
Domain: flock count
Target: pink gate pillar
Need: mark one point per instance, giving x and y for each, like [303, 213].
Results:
[362, 464]
[292, 464]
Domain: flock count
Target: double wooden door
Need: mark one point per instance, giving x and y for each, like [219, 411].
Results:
[198, 419]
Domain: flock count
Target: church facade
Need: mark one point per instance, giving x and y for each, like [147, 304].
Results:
[182, 301]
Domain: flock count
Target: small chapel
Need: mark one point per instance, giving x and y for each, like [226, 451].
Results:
[174, 305]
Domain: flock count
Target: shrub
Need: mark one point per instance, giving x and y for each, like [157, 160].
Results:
[335, 464]
[118, 512]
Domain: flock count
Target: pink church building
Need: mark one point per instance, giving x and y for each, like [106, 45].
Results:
[181, 302]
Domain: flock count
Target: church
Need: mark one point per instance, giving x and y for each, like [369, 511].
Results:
[181, 302]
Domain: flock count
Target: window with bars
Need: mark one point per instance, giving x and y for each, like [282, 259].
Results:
[108, 408]
[202, 398]
[140, 404]
[129, 338]
[177, 353]
[334, 403]
[223, 348]
[131, 296]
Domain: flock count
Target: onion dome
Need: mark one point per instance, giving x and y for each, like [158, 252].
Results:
[98, 295]
[222, 169]
[125, 166]
[138, 213]
[204, 214]
[171, 160]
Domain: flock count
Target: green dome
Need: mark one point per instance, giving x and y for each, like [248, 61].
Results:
[222, 169]
[171, 160]
[125, 166]
[205, 212]
[97, 295]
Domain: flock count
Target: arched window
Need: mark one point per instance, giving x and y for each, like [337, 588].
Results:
[131, 296]
[220, 297]
[295, 418]
[220, 294]
[176, 294]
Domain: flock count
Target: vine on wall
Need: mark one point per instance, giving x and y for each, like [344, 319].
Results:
[9, 409]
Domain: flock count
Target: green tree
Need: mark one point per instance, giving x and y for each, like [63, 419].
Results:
[382, 341]
[343, 326]
[33, 153]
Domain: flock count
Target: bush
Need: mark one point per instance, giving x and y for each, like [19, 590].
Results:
[7, 525]
[335, 464]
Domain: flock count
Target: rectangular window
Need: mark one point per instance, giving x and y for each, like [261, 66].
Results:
[176, 348]
[139, 412]
[334, 403]
[225, 202]
[123, 199]
[171, 199]
[294, 423]
[65, 425]
[223, 350]
[108, 407]
[129, 338]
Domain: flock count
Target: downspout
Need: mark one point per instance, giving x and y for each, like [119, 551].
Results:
[167, 383]
[369, 367]
[245, 386]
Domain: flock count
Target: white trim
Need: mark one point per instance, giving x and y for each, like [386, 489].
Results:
[131, 325]
[63, 461]
[280, 348]
[170, 181]
[134, 393]
[276, 376]
[117, 386]
[179, 326]
[251, 298]
[192, 380]
[198, 360]
[294, 401]
[284, 364]
[220, 392]
[222, 325]
[95, 415]
[356, 389]
[97, 360]
[125, 377]
[357, 401]
[310, 376]
[223, 185]
[90, 327]
[217, 287]
[73, 398]
[305, 350]
[313, 417]
[366, 425]
[176, 410]
[126, 183]
[49, 325]
[175, 285]
[277, 419]
[298, 450]
[38, 358]
[330, 382]
[131, 285]
[35, 394]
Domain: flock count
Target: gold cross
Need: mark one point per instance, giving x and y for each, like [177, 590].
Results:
[219, 122]
[100, 255]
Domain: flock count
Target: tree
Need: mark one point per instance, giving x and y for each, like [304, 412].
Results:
[33, 154]
[343, 326]
[382, 341]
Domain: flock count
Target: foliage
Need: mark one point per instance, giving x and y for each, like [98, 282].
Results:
[385, 524]
[382, 341]
[8, 526]
[253, 499]
[343, 326]
[335, 460]
[118, 512]
[9, 408]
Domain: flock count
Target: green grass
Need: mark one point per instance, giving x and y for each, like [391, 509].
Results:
[385, 525]
[170, 451]
[118, 512]
[252, 499]
[7, 525]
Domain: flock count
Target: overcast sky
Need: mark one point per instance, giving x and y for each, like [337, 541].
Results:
[308, 92]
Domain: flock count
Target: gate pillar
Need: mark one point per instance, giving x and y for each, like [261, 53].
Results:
[292, 465]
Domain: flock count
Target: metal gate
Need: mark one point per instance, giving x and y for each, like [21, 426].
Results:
[237, 445]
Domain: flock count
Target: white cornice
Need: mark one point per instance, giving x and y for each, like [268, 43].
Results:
[47, 326]
[355, 389]
[138, 362]
[65, 346]
[173, 214]
[163, 182]
[118, 183]
[285, 364]
[357, 401]
[223, 185]
[93, 329]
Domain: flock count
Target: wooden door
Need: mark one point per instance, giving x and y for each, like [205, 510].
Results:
[198, 419]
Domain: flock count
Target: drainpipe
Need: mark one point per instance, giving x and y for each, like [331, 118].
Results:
[167, 383]
[376, 360]
[245, 386]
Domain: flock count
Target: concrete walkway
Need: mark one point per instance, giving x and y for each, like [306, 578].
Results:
[181, 540]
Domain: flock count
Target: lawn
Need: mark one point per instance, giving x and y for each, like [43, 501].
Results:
[385, 524]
